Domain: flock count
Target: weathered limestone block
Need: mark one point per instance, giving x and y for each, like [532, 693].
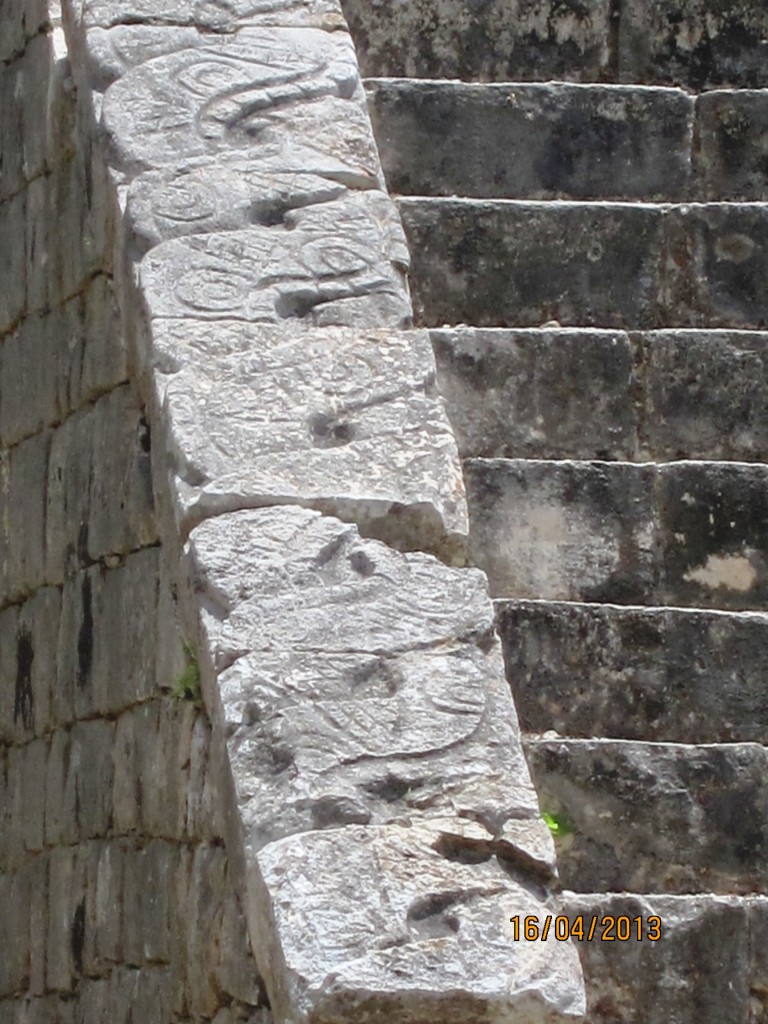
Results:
[674, 675]
[212, 15]
[24, 97]
[28, 665]
[494, 41]
[733, 136]
[498, 263]
[702, 44]
[148, 884]
[14, 907]
[99, 488]
[21, 21]
[407, 709]
[589, 394]
[13, 298]
[361, 686]
[218, 96]
[533, 141]
[23, 472]
[690, 534]
[538, 393]
[344, 421]
[151, 756]
[67, 880]
[106, 907]
[649, 817]
[419, 938]
[709, 964]
[521, 263]
[336, 263]
[703, 395]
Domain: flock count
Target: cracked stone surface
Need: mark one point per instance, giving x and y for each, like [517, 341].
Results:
[359, 685]
[215, 15]
[347, 421]
[404, 946]
[336, 263]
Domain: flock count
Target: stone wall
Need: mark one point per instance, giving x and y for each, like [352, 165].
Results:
[115, 889]
[251, 699]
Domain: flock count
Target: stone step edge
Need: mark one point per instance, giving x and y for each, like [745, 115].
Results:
[580, 204]
[651, 609]
[554, 328]
[623, 463]
[547, 739]
[513, 83]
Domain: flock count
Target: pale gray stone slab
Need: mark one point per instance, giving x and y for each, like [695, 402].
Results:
[215, 16]
[235, 192]
[341, 420]
[23, 472]
[218, 96]
[306, 268]
[417, 937]
[360, 685]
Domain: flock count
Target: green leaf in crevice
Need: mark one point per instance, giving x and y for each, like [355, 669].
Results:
[558, 824]
[187, 686]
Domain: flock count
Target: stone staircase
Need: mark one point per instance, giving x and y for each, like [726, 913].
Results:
[591, 255]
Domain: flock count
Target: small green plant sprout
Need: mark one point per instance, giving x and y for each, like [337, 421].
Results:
[187, 686]
[557, 824]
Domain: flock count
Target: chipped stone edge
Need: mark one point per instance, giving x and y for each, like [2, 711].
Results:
[71, 43]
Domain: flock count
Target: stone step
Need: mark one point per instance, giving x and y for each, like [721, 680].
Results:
[709, 967]
[533, 141]
[661, 674]
[700, 45]
[655, 817]
[561, 141]
[498, 263]
[691, 534]
[589, 394]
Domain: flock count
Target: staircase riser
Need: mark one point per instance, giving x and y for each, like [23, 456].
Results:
[559, 141]
[687, 534]
[656, 674]
[654, 818]
[702, 45]
[498, 264]
[710, 966]
[606, 395]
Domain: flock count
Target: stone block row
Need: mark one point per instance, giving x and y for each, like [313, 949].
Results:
[496, 263]
[709, 965]
[560, 141]
[700, 45]
[655, 817]
[78, 494]
[590, 394]
[657, 674]
[370, 732]
[685, 533]
[156, 915]
[325, 651]
[59, 360]
[155, 770]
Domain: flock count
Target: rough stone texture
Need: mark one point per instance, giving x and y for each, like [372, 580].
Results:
[732, 128]
[681, 676]
[404, 947]
[645, 817]
[709, 965]
[269, 274]
[344, 421]
[702, 44]
[494, 41]
[586, 394]
[362, 687]
[533, 141]
[691, 534]
[499, 263]
[216, 17]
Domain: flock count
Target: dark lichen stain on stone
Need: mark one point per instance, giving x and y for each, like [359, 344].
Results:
[24, 701]
[85, 637]
[77, 937]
